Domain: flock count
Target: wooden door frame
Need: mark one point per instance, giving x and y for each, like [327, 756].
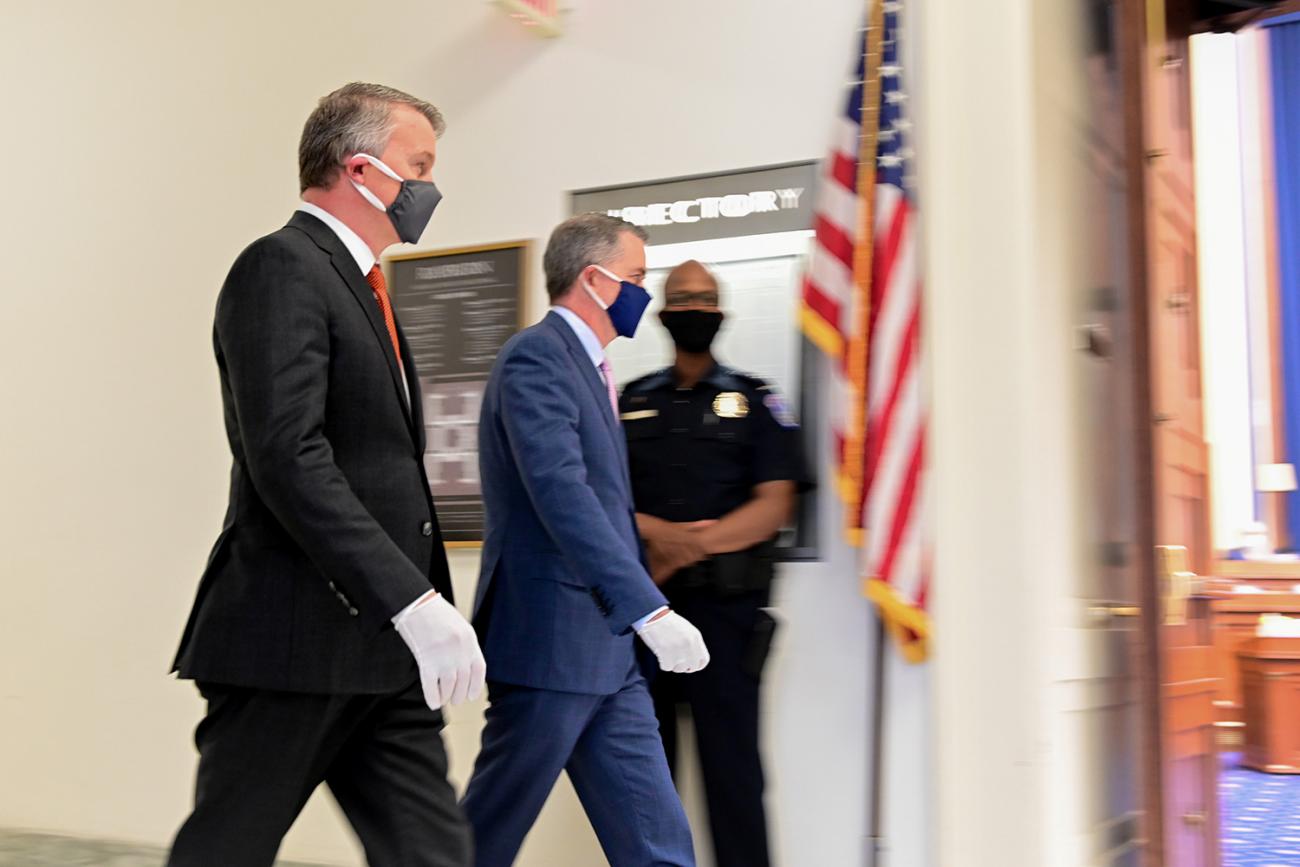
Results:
[1150, 664]
[1132, 30]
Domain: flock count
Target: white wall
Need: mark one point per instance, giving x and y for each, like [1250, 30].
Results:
[1003, 111]
[147, 143]
[979, 349]
[1254, 75]
[1221, 215]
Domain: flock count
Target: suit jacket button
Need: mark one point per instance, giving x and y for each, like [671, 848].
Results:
[427, 528]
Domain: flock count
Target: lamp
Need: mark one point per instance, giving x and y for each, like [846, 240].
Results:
[1277, 479]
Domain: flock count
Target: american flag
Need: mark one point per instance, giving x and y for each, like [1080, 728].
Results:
[862, 308]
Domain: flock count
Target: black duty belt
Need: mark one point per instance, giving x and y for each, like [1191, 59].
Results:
[732, 573]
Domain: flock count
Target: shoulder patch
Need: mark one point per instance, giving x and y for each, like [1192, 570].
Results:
[780, 410]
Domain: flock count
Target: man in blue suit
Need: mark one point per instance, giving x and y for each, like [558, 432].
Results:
[564, 586]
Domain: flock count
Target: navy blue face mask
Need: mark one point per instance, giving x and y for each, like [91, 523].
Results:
[625, 313]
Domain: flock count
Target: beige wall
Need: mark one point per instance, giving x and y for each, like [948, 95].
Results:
[1022, 683]
[147, 143]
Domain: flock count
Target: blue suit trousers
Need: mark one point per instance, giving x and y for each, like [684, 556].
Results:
[610, 747]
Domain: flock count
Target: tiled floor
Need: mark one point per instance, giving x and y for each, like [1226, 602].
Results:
[1260, 817]
[22, 849]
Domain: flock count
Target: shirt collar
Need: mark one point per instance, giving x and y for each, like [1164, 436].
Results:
[720, 377]
[360, 251]
[586, 336]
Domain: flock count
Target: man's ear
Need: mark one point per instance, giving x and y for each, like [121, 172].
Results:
[354, 168]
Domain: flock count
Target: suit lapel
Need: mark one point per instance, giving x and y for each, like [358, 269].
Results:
[346, 267]
[588, 373]
[413, 384]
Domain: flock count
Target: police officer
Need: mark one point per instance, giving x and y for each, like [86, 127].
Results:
[714, 458]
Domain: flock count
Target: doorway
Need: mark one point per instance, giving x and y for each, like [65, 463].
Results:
[1165, 583]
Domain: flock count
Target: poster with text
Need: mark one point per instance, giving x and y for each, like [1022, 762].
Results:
[457, 308]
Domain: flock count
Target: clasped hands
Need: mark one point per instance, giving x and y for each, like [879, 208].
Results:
[671, 546]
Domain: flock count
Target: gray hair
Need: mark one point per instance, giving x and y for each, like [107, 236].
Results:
[587, 239]
[356, 118]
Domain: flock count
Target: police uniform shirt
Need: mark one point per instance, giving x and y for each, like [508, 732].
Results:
[697, 453]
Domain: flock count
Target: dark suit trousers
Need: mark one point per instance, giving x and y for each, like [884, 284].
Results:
[724, 704]
[609, 746]
[262, 754]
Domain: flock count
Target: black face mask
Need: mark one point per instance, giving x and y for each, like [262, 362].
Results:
[411, 210]
[692, 330]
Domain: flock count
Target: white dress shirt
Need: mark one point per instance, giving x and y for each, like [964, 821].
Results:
[359, 249]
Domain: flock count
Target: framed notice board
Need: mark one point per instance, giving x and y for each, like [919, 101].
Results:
[457, 308]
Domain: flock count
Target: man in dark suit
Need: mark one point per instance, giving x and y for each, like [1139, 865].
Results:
[323, 636]
[563, 585]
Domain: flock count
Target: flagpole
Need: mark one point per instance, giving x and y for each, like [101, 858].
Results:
[876, 771]
[853, 462]
[857, 350]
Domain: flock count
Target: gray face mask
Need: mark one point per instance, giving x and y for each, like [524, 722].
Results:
[411, 210]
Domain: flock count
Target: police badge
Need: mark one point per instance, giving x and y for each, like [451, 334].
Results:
[730, 404]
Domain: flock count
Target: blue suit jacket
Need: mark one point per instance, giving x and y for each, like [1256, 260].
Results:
[562, 579]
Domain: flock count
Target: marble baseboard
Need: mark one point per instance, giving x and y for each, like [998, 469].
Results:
[27, 849]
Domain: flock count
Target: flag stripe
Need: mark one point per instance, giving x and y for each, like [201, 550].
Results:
[891, 469]
[831, 278]
[909, 562]
[824, 305]
[834, 240]
[893, 310]
[903, 510]
[839, 205]
[844, 171]
[884, 421]
[844, 139]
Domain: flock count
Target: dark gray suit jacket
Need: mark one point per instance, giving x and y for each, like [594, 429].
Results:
[330, 529]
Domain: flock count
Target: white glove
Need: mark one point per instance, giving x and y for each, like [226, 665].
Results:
[445, 649]
[678, 645]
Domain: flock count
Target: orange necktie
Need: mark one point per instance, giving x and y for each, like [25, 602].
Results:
[376, 280]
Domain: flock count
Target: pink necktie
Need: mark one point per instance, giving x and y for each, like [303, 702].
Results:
[608, 372]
